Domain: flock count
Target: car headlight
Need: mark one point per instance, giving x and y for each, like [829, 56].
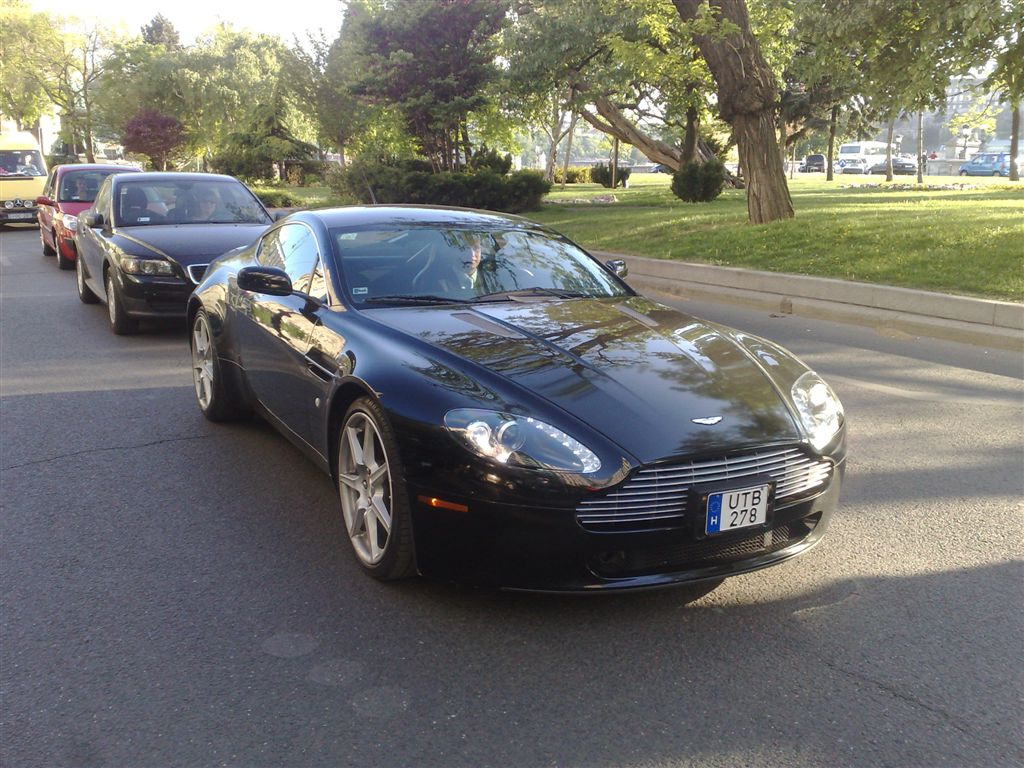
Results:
[820, 411]
[520, 441]
[147, 267]
[70, 222]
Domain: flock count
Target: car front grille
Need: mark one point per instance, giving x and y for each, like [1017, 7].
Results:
[656, 497]
[196, 272]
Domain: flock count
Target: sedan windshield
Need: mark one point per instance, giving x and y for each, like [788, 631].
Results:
[435, 265]
[146, 202]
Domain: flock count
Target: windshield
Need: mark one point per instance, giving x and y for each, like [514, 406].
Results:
[436, 265]
[21, 162]
[186, 201]
[80, 186]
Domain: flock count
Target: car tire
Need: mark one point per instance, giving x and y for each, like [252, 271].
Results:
[85, 294]
[63, 262]
[47, 250]
[120, 322]
[963, 173]
[217, 397]
[996, 173]
[374, 500]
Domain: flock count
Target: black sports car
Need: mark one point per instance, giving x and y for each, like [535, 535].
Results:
[900, 167]
[498, 407]
[148, 237]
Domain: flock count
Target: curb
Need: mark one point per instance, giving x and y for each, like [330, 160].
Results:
[982, 322]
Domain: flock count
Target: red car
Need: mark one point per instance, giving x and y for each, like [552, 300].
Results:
[69, 190]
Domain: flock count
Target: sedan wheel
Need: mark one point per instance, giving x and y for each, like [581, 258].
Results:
[216, 395]
[47, 250]
[120, 323]
[63, 262]
[85, 293]
[373, 502]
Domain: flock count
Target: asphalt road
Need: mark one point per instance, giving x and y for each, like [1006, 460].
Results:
[176, 593]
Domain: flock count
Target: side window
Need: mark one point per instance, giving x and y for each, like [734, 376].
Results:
[293, 249]
[50, 190]
[102, 202]
[318, 283]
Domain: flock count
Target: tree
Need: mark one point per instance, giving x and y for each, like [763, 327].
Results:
[22, 96]
[267, 144]
[154, 135]
[747, 95]
[1007, 78]
[160, 31]
[432, 61]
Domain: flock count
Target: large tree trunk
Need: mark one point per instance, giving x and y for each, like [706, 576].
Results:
[747, 97]
[568, 149]
[690, 137]
[1015, 142]
[833, 121]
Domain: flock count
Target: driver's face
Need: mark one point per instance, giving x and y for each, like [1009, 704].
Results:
[474, 258]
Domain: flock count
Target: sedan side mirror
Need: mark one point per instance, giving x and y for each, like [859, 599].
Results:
[618, 266]
[44, 200]
[269, 280]
[93, 219]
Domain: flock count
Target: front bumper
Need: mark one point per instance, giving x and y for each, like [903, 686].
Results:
[528, 548]
[153, 297]
[18, 215]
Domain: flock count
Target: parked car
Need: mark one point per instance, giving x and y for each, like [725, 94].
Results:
[22, 174]
[989, 164]
[901, 166]
[497, 406]
[148, 237]
[812, 163]
[69, 190]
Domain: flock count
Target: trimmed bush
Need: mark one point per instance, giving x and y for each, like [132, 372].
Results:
[489, 160]
[276, 198]
[602, 174]
[408, 183]
[699, 182]
[573, 175]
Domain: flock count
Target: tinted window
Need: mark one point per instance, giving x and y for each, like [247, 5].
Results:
[464, 265]
[102, 202]
[144, 201]
[81, 186]
[293, 249]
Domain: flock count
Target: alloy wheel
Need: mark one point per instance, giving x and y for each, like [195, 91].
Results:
[112, 308]
[202, 361]
[364, 483]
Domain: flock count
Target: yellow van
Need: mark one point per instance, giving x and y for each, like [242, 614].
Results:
[22, 176]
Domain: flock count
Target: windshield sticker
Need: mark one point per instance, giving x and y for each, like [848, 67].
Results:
[360, 291]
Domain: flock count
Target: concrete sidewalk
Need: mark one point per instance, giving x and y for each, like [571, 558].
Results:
[983, 322]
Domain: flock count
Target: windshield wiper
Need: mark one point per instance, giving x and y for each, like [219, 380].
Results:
[558, 293]
[427, 299]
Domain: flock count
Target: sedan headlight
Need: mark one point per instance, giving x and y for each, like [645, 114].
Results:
[519, 441]
[147, 267]
[70, 222]
[820, 411]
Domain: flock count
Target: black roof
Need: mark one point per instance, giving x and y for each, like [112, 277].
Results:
[416, 216]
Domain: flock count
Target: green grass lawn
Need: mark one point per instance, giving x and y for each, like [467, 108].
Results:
[967, 242]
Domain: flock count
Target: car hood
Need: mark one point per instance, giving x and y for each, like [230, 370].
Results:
[188, 243]
[72, 208]
[637, 371]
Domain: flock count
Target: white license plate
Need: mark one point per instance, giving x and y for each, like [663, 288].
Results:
[21, 216]
[735, 509]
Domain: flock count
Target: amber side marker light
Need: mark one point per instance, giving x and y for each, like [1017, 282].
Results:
[442, 504]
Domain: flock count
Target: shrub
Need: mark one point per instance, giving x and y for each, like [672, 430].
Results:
[409, 183]
[276, 198]
[489, 160]
[573, 175]
[699, 182]
[602, 174]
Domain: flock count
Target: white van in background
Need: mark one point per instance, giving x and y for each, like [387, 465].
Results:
[858, 156]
